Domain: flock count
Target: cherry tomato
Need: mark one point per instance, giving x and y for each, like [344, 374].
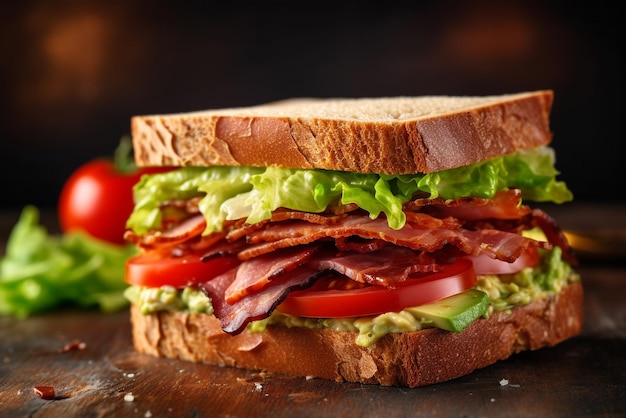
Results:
[98, 199]
[484, 264]
[373, 300]
[155, 271]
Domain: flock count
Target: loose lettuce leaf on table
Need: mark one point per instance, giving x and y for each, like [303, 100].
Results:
[41, 272]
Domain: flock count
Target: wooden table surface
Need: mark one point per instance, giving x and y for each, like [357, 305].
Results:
[583, 377]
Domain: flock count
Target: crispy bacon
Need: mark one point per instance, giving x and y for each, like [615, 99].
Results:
[186, 205]
[506, 204]
[256, 273]
[224, 248]
[554, 234]
[184, 231]
[359, 245]
[242, 229]
[245, 293]
[252, 307]
[385, 267]
[501, 245]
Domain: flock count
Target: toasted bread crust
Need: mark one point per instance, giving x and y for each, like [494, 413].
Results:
[386, 135]
[407, 359]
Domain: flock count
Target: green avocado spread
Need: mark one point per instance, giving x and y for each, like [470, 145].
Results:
[501, 293]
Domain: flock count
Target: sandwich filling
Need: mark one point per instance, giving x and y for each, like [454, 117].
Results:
[255, 246]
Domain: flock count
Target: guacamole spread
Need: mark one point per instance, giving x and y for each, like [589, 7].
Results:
[504, 293]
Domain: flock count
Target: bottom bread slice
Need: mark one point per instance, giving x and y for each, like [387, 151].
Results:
[404, 359]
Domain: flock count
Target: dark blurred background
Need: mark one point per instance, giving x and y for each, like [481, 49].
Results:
[73, 72]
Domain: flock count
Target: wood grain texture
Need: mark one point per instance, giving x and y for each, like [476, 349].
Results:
[581, 377]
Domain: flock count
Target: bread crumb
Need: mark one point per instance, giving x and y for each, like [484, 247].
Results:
[74, 345]
[258, 386]
[148, 414]
[129, 397]
[504, 382]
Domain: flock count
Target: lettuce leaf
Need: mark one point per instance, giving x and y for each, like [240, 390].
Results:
[254, 193]
[531, 171]
[216, 184]
[40, 272]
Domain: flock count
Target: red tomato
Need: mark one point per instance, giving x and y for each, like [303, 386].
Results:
[484, 264]
[155, 271]
[374, 300]
[98, 199]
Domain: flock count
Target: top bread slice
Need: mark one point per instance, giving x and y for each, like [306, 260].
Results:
[399, 135]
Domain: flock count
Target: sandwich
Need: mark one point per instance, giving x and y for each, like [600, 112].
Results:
[381, 241]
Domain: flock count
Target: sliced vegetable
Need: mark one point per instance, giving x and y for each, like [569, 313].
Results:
[484, 264]
[455, 312]
[373, 300]
[153, 270]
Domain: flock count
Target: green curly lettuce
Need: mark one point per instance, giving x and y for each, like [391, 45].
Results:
[229, 193]
[41, 272]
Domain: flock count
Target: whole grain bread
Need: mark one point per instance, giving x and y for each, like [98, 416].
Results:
[398, 135]
[406, 359]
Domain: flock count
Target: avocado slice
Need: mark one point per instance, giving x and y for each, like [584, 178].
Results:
[456, 312]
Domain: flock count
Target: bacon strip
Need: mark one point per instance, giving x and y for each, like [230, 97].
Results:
[501, 245]
[224, 248]
[385, 267]
[506, 204]
[555, 235]
[244, 229]
[253, 307]
[184, 231]
[359, 245]
[256, 273]
[288, 270]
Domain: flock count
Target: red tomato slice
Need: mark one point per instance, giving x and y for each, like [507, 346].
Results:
[484, 264]
[374, 300]
[155, 271]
